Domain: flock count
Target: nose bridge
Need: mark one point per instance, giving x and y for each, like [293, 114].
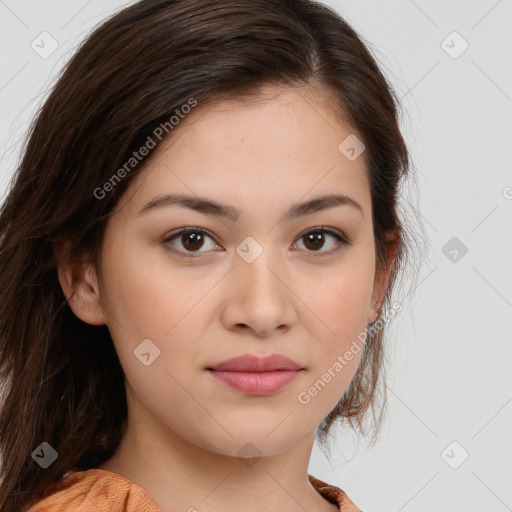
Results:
[260, 262]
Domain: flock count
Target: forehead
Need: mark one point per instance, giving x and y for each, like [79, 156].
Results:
[278, 121]
[279, 146]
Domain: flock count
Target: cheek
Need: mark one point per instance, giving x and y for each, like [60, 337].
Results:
[149, 299]
[341, 301]
[341, 309]
[337, 352]
[144, 293]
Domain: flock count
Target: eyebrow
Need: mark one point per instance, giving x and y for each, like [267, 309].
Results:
[210, 207]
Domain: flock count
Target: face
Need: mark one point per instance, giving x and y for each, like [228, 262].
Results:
[266, 278]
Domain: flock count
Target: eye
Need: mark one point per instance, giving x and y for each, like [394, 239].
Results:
[315, 239]
[193, 239]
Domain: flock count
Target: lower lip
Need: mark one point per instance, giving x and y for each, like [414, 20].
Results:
[256, 383]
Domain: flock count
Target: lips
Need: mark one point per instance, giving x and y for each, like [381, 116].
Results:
[250, 363]
[256, 376]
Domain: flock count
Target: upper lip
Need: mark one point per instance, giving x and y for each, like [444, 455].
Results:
[250, 363]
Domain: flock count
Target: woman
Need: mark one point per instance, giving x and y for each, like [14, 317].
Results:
[198, 249]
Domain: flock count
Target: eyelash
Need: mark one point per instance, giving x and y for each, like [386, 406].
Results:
[342, 241]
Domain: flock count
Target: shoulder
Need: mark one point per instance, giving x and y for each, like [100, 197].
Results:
[98, 490]
[334, 494]
[95, 490]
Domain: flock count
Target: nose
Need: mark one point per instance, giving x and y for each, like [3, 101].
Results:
[260, 296]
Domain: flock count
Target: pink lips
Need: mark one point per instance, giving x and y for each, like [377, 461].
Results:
[257, 376]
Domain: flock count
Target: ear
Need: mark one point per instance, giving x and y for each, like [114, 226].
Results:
[381, 280]
[79, 284]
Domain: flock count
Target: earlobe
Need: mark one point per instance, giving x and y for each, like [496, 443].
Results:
[79, 284]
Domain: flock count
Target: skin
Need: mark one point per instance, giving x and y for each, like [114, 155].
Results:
[185, 429]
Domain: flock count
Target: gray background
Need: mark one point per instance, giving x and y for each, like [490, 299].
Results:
[449, 349]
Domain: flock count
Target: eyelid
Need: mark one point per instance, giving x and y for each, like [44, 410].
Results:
[342, 240]
[183, 231]
[327, 229]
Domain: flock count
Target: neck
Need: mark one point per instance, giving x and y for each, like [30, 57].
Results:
[181, 475]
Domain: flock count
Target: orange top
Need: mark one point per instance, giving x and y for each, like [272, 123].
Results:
[97, 490]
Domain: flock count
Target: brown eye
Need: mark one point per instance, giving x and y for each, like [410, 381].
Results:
[314, 240]
[191, 241]
[317, 239]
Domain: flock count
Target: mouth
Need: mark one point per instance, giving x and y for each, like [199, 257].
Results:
[256, 376]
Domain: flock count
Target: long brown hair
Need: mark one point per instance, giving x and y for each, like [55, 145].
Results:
[61, 379]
